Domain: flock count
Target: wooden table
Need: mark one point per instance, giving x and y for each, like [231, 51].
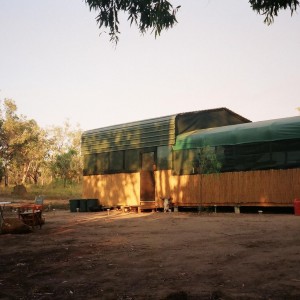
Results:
[31, 214]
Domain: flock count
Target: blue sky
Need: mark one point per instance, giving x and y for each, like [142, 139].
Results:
[56, 65]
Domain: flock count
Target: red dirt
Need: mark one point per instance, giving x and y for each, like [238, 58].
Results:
[153, 256]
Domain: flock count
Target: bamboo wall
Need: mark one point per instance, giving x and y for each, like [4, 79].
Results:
[114, 189]
[265, 188]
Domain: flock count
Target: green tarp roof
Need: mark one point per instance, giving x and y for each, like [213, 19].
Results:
[264, 131]
[154, 132]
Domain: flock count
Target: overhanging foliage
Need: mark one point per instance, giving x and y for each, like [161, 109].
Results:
[158, 15]
[271, 8]
[154, 15]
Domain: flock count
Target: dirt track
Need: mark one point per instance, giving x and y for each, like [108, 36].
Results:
[154, 256]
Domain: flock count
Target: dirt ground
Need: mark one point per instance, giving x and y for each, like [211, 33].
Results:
[154, 256]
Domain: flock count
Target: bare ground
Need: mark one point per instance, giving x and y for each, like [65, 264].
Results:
[153, 256]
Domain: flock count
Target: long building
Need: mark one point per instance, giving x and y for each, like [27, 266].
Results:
[141, 163]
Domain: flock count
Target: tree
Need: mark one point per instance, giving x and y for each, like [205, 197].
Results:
[1, 170]
[64, 138]
[158, 15]
[1, 146]
[155, 15]
[271, 8]
[23, 145]
[63, 166]
[65, 152]
[28, 152]
[34, 152]
[208, 163]
[10, 136]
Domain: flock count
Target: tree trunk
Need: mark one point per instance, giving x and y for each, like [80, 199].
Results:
[5, 177]
[35, 177]
[36, 174]
[6, 180]
[25, 172]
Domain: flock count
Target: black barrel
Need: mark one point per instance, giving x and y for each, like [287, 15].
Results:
[74, 205]
[83, 205]
[92, 204]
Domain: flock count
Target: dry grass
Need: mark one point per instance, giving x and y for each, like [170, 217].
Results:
[56, 196]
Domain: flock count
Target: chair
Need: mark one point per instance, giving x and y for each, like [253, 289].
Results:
[39, 200]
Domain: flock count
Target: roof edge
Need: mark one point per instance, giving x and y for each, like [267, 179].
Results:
[151, 120]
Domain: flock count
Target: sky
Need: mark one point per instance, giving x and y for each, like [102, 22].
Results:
[57, 65]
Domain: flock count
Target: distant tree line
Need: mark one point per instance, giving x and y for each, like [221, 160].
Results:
[30, 154]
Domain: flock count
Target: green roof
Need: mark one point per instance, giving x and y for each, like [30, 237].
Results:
[161, 131]
[264, 131]
[133, 135]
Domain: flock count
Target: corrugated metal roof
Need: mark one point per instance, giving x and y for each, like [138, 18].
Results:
[154, 132]
[141, 134]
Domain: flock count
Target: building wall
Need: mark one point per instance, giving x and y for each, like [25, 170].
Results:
[265, 188]
[114, 189]
[259, 188]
